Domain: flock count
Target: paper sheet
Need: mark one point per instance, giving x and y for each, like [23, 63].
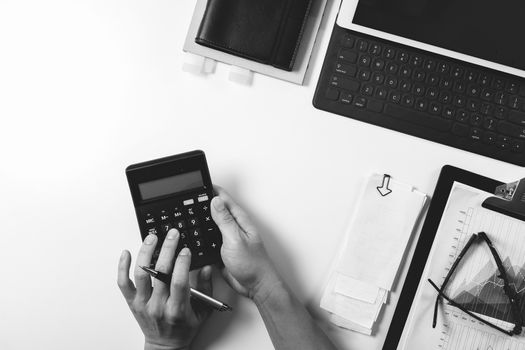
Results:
[462, 217]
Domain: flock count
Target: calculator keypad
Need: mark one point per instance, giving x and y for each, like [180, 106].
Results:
[191, 216]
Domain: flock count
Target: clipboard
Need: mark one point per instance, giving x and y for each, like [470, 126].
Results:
[509, 200]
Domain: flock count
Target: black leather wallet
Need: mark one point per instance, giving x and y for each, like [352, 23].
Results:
[265, 31]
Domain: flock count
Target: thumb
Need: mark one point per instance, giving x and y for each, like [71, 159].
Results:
[223, 218]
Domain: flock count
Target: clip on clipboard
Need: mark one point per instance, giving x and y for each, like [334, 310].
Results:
[509, 200]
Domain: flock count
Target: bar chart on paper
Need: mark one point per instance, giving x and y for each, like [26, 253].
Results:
[477, 287]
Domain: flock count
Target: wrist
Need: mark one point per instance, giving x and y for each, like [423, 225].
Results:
[270, 288]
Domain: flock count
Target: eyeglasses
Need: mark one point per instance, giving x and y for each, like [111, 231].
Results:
[510, 292]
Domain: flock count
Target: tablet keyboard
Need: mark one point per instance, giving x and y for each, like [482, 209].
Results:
[424, 94]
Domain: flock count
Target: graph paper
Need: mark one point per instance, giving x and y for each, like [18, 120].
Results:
[475, 284]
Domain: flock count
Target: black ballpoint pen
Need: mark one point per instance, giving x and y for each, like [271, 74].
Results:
[217, 305]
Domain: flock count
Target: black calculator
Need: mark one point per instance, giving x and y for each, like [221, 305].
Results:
[176, 192]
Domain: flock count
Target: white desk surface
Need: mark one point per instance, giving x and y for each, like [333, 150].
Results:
[87, 88]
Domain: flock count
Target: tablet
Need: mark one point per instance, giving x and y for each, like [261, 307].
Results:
[401, 326]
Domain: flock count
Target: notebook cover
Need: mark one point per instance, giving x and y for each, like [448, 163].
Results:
[265, 31]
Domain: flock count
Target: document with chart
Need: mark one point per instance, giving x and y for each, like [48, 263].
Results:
[475, 285]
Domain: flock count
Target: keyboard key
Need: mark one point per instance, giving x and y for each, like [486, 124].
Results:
[484, 80]
[517, 146]
[375, 49]
[500, 112]
[459, 101]
[460, 130]
[332, 94]
[378, 78]
[411, 116]
[389, 53]
[512, 88]
[476, 119]
[375, 106]
[365, 61]
[498, 84]
[391, 82]
[362, 45]
[347, 55]
[471, 76]
[449, 112]
[421, 105]
[405, 72]
[515, 102]
[360, 102]
[517, 118]
[430, 65]
[476, 134]
[378, 64]
[343, 83]
[445, 97]
[486, 109]
[445, 83]
[511, 129]
[457, 72]
[346, 98]
[395, 97]
[381, 93]
[403, 56]
[419, 75]
[459, 87]
[364, 75]
[473, 91]
[407, 100]
[443, 68]
[433, 79]
[416, 61]
[348, 41]
[432, 93]
[487, 95]
[473, 105]
[405, 86]
[435, 108]
[367, 90]
[501, 98]
[462, 116]
[392, 68]
[345, 69]
[419, 90]
[490, 138]
[489, 123]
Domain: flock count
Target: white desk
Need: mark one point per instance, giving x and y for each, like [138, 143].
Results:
[87, 88]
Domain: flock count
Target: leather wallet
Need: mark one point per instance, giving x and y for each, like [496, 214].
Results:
[265, 31]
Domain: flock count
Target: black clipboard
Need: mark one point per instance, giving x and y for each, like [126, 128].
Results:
[447, 177]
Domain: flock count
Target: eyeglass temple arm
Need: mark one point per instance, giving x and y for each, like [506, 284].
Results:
[453, 303]
[449, 274]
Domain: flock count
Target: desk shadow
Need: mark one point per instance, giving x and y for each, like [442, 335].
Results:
[323, 28]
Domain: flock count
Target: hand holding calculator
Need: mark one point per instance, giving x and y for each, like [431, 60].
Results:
[176, 192]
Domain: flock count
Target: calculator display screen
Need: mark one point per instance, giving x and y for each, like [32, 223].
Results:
[171, 185]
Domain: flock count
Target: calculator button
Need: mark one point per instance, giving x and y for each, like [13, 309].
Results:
[164, 217]
[195, 233]
[166, 227]
[183, 236]
[190, 211]
[193, 222]
[177, 214]
[152, 231]
[188, 202]
[213, 235]
[205, 208]
[149, 219]
[203, 198]
[179, 225]
[207, 218]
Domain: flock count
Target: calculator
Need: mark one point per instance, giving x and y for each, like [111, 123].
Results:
[176, 192]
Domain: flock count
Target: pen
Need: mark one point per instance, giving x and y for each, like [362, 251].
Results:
[216, 304]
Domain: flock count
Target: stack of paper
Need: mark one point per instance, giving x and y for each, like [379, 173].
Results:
[365, 270]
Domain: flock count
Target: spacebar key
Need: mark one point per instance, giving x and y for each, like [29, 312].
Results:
[418, 118]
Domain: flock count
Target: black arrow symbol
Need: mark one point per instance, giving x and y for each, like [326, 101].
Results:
[383, 189]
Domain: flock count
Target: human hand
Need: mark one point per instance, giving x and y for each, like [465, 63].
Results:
[167, 317]
[248, 268]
